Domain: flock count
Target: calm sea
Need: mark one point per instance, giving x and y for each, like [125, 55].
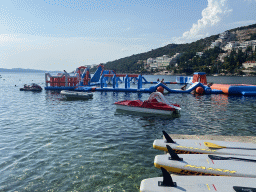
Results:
[50, 144]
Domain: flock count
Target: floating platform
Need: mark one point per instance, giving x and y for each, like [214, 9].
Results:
[82, 81]
[240, 89]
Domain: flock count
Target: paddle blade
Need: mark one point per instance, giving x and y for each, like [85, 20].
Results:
[167, 179]
[241, 189]
[168, 138]
[212, 145]
[215, 157]
[174, 156]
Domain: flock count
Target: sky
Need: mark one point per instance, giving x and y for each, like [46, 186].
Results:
[66, 34]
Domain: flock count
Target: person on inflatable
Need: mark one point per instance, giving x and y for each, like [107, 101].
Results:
[183, 87]
[162, 81]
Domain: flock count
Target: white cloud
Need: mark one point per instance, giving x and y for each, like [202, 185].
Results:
[211, 16]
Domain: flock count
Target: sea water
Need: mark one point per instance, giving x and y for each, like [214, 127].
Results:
[50, 144]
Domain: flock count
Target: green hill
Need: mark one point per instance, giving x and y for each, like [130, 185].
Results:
[131, 65]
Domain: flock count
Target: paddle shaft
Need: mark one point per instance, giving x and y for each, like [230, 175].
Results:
[214, 157]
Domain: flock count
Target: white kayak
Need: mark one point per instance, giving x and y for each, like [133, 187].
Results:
[190, 146]
[169, 183]
[203, 164]
[76, 94]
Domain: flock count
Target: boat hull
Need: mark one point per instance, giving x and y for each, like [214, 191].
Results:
[30, 89]
[76, 95]
[145, 110]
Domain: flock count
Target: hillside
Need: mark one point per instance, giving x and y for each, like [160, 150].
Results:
[130, 64]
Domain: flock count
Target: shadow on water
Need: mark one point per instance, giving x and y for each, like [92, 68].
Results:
[121, 112]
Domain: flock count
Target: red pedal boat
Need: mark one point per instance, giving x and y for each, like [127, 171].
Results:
[156, 104]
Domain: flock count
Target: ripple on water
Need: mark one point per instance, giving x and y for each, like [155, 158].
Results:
[48, 143]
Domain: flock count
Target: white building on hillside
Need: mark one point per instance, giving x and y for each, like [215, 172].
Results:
[222, 56]
[151, 62]
[249, 65]
[230, 46]
[175, 58]
[200, 54]
[215, 44]
[159, 62]
[224, 35]
[244, 45]
[162, 62]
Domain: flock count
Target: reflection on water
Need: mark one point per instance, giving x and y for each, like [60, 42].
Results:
[48, 143]
[220, 101]
[147, 115]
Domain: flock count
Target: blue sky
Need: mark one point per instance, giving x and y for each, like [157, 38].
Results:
[65, 34]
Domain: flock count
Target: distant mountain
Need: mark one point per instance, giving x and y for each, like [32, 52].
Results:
[130, 64]
[20, 70]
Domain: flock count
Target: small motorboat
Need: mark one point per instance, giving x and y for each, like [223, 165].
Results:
[33, 87]
[156, 104]
[76, 94]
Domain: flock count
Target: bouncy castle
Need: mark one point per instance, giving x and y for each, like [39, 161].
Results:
[66, 81]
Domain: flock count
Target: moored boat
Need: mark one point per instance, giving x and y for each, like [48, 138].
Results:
[33, 87]
[156, 104]
[76, 94]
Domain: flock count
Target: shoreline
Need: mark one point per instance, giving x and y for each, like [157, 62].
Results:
[219, 75]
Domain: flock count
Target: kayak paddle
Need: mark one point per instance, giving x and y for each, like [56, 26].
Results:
[214, 157]
[215, 146]
[241, 189]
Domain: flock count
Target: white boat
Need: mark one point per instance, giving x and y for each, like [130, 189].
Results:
[76, 94]
[156, 104]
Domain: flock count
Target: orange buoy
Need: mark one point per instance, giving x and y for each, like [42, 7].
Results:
[160, 89]
[200, 90]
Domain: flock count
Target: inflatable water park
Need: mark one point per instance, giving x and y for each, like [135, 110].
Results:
[107, 80]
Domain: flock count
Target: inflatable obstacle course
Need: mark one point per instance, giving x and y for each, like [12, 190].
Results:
[66, 81]
[100, 81]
